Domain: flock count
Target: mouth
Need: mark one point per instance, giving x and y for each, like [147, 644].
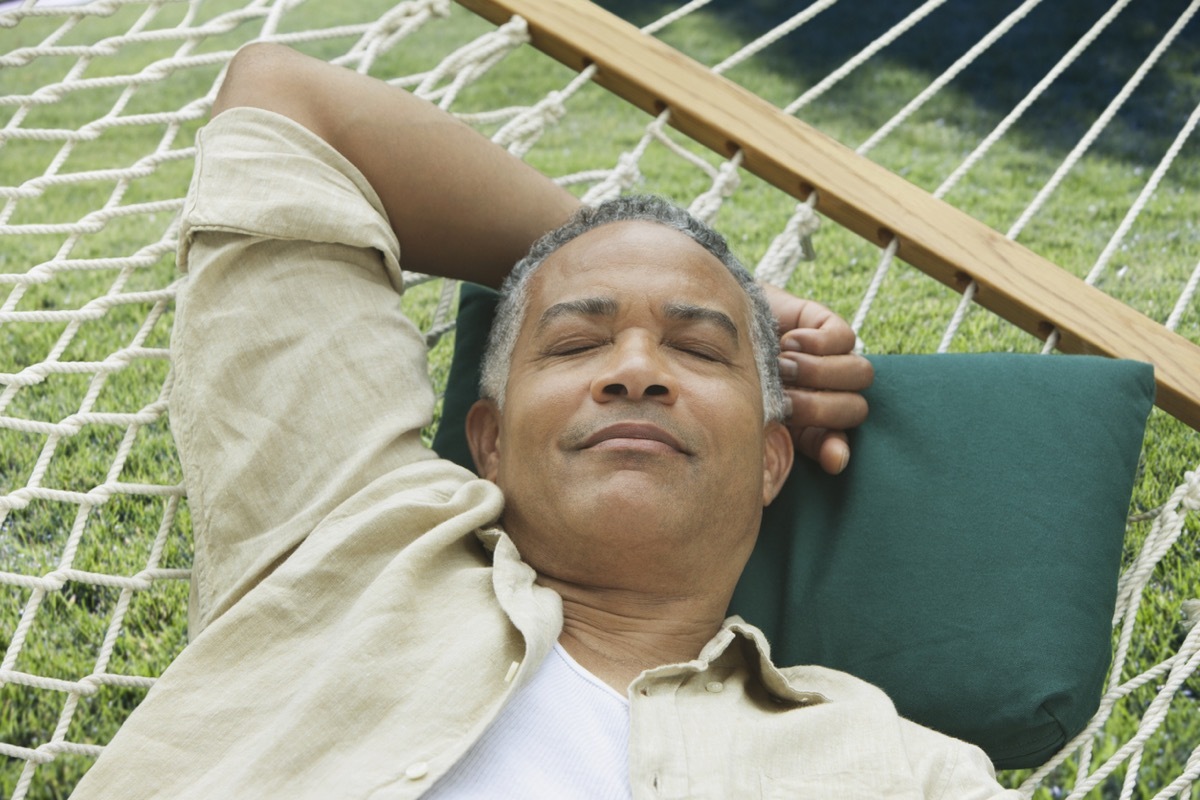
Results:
[642, 436]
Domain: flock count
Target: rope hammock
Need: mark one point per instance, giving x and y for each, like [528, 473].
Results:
[99, 105]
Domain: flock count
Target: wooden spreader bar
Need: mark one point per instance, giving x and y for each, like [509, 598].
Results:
[949, 245]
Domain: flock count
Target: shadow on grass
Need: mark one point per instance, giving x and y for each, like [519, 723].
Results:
[1145, 127]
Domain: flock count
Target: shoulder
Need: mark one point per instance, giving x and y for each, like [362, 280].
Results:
[951, 768]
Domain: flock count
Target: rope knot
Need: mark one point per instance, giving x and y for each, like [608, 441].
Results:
[1191, 498]
[1191, 614]
[706, 206]
[791, 246]
[805, 220]
[622, 177]
[438, 8]
[514, 32]
[523, 131]
[89, 685]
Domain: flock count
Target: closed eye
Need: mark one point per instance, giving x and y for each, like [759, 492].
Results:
[701, 352]
[571, 348]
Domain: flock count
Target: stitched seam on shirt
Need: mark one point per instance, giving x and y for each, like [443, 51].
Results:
[948, 773]
[195, 496]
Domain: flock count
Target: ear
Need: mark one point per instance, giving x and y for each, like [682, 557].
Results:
[483, 437]
[777, 459]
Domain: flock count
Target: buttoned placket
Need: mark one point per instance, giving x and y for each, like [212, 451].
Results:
[512, 581]
[655, 737]
[659, 766]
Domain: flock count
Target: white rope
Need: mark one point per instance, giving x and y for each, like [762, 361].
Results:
[939, 83]
[443, 317]
[1077, 152]
[1184, 782]
[1185, 299]
[1028, 100]
[625, 175]
[881, 272]
[1191, 614]
[395, 24]
[794, 243]
[100, 676]
[674, 16]
[520, 127]
[1009, 120]
[1102, 121]
[725, 182]
[471, 62]
[1152, 720]
[960, 313]
[772, 36]
[864, 55]
[1147, 192]
[90, 503]
[1164, 534]
[791, 246]
[526, 126]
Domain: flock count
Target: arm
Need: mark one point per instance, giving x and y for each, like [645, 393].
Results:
[439, 180]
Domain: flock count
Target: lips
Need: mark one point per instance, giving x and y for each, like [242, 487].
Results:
[643, 431]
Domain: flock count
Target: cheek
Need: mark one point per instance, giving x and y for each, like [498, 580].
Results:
[536, 406]
[535, 395]
[734, 418]
[739, 401]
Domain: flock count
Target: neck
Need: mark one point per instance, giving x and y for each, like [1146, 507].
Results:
[617, 634]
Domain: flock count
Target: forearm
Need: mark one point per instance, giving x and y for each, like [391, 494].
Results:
[461, 206]
[464, 208]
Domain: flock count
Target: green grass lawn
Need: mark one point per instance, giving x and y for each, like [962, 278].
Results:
[121, 535]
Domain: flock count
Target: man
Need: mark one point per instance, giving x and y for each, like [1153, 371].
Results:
[361, 625]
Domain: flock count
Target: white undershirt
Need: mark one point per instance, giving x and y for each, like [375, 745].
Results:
[563, 735]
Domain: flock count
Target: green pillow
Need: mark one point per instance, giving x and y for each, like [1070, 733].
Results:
[967, 561]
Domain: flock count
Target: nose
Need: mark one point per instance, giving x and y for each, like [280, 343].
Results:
[635, 369]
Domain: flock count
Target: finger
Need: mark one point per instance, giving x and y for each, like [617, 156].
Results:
[834, 337]
[830, 449]
[819, 330]
[838, 410]
[835, 452]
[808, 442]
[846, 373]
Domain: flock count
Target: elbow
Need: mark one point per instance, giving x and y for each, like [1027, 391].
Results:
[272, 77]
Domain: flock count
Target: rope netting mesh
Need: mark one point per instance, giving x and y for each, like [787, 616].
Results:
[1071, 129]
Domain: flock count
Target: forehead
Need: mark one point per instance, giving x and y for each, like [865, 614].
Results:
[633, 261]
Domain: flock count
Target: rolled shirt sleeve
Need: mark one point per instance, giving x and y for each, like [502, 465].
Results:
[296, 378]
[357, 637]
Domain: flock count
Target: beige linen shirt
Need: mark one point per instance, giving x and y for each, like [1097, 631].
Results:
[357, 618]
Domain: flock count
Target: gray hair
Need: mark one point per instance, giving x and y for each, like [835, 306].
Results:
[514, 294]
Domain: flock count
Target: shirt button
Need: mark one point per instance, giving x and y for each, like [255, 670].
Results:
[416, 771]
[714, 687]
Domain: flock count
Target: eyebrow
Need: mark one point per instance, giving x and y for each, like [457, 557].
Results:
[586, 307]
[607, 307]
[689, 312]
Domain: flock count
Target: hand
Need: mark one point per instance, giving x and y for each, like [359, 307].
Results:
[822, 378]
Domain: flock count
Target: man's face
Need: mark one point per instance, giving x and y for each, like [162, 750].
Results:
[633, 397]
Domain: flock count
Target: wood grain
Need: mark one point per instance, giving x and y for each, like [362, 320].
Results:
[1019, 285]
